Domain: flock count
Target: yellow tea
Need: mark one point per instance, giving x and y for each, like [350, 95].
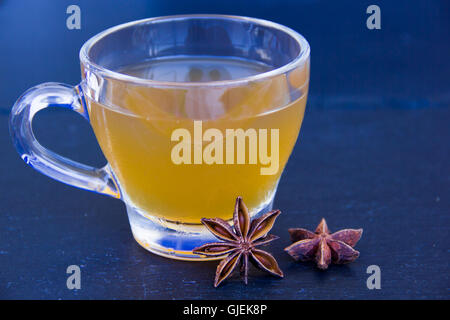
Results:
[135, 129]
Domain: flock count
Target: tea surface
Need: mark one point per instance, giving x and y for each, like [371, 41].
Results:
[199, 69]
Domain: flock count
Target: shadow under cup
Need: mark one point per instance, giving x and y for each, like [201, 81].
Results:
[191, 112]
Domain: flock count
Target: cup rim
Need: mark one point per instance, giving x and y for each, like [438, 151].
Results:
[299, 60]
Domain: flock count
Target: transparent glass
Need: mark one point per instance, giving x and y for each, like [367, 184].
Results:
[237, 86]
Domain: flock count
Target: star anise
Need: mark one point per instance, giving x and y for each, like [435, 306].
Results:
[240, 244]
[324, 247]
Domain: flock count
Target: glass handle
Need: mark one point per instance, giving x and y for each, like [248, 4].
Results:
[45, 161]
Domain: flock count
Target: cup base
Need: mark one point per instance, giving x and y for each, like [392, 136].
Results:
[176, 240]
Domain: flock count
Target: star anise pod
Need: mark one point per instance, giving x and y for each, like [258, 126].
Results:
[240, 244]
[324, 247]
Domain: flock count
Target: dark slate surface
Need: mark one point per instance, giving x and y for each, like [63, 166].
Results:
[373, 153]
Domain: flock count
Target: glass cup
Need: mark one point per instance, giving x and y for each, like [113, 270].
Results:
[190, 112]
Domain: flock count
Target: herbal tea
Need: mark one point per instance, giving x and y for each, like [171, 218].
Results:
[183, 153]
[190, 111]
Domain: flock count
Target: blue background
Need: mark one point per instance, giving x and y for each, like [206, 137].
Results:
[373, 152]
